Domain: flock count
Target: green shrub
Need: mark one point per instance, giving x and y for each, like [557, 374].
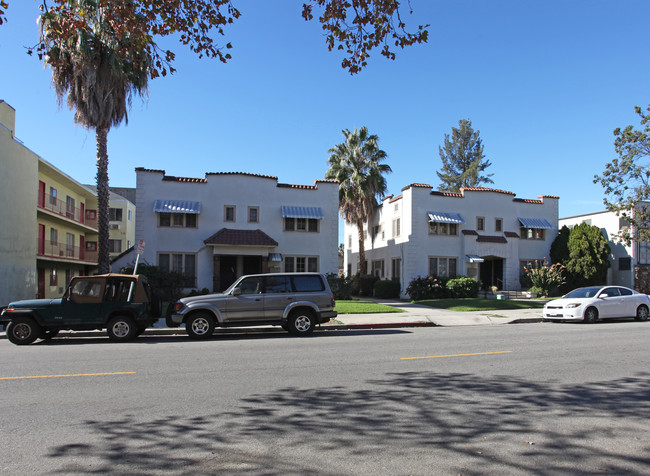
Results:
[366, 284]
[428, 287]
[387, 289]
[463, 287]
[341, 286]
[544, 278]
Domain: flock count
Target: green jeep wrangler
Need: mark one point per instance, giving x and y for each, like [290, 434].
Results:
[90, 302]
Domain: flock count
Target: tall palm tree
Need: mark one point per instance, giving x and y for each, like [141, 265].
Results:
[356, 164]
[99, 83]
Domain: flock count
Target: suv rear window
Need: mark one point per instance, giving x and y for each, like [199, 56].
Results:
[307, 284]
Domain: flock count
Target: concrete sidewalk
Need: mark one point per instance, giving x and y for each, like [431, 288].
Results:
[417, 315]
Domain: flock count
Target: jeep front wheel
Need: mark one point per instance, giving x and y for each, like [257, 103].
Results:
[200, 325]
[23, 331]
[301, 322]
[121, 329]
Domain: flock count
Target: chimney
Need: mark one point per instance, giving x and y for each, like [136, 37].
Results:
[8, 117]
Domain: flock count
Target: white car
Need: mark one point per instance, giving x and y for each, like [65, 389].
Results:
[598, 302]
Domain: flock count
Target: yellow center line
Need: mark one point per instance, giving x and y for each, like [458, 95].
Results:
[457, 355]
[68, 375]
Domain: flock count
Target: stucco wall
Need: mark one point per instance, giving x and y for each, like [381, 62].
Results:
[18, 239]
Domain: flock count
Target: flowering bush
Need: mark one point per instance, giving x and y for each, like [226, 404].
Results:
[544, 277]
[427, 287]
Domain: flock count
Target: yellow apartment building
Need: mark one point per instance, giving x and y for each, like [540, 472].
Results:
[50, 232]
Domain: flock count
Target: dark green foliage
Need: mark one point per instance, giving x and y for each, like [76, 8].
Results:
[588, 255]
[463, 287]
[387, 289]
[364, 285]
[462, 159]
[427, 287]
[626, 179]
[168, 284]
[560, 246]
[341, 286]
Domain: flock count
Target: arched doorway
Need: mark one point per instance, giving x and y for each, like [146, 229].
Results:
[491, 272]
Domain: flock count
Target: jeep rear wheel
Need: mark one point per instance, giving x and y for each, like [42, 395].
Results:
[23, 331]
[121, 329]
[200, 325]
[301, 322]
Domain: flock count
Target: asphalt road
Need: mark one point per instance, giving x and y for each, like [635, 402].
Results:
[519, 399]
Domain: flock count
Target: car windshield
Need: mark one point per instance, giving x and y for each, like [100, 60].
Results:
[584, 292]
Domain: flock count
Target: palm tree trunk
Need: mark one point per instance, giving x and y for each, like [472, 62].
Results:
[363, 267]
[102, 200]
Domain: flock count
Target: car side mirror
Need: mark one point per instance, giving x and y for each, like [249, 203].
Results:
[236, 291]
[603, 296]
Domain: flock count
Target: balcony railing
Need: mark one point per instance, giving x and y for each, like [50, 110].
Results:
[64, 209]
[49, 249]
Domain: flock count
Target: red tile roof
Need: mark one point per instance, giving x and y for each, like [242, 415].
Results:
[231, 237]
[483, 189]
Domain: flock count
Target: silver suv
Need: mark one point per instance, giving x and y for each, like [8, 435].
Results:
[295, 301]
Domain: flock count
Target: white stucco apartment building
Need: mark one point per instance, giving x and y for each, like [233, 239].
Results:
[228, 224]
[482, 233]
[623, 258]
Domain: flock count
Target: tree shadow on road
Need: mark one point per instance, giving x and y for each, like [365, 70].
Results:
[405, 423]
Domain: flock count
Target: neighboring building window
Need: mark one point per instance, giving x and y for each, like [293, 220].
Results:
[395, 271]
[114, 246]
[128, 244]
[183, 263]
[309, 225]
[443, 228]
[396, 227]
[624, 264]
[301, 264]
[130, 215]
[178, 220]
[480, 223]
[498, 225]
[531, 233]
[52, 196]
[54, 236]
[114, 214]
[53, 277]
[396, 207]
[378, 268]
[443, 266]
[69, 207]
[69, 244]
[644, 252]
[350, 241]
[229, 213]
[253, 214]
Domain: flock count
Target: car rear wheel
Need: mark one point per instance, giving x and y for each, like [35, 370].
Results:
[23, 331]
[121, 329]
[200, 325]
[301, 322]
[591, 315]
[642, 313]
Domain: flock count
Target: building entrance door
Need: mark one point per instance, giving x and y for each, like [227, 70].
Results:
[491, 273]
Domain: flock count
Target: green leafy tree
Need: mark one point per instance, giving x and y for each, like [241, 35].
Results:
[626, 179]
[560, 246]
[462, 159]
[356, 164]
[588, 255]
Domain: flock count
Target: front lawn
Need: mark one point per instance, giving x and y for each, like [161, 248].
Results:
[363, 307]
[477, 304]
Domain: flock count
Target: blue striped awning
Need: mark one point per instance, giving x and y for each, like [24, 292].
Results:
[176, 206]
[445, 217]
[474, 259]
[275, 257]
[537, 223]
[303, 212]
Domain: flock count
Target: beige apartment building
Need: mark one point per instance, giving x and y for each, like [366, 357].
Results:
[53, 232]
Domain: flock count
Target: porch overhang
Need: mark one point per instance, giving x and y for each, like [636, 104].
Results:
[232, 237]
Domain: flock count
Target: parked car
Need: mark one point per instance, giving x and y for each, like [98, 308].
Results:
[598, 302]
[124, 305]
[295, 301]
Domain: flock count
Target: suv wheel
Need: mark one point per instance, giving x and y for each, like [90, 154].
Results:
[23, 331]
[301, 322]
[200, 325]
[121, 329]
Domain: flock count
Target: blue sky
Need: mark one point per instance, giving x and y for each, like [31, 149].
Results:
[544, 82]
